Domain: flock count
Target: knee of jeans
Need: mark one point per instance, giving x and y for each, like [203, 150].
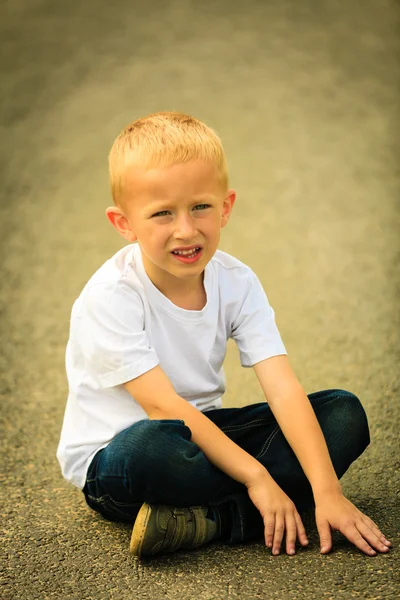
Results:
[150, 439]
[351, 419]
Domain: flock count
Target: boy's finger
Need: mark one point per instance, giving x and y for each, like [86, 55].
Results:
[269, 528]
[371, 537]
[291, 534]
[369, 521]
[301, 532]
[375, 529]
[356, 538]
[278, 534]
[325, 536]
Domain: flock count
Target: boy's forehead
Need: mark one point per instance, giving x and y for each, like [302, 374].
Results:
[195, 178]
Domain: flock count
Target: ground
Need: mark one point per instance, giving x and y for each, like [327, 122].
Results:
[305, 96]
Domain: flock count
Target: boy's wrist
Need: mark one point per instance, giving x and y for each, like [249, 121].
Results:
[322, 491]
[255, 474]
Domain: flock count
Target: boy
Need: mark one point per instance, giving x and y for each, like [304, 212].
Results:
[144, 435]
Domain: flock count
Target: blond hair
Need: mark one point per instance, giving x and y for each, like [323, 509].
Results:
[160, 140]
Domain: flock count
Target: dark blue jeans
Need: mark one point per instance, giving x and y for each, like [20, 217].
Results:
[155, 461]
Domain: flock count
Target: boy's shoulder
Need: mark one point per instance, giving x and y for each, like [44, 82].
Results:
[228, 261]
[116, 268]
[115, 277]
[232, 269]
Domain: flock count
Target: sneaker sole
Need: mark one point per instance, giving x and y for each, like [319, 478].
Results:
[139, 530]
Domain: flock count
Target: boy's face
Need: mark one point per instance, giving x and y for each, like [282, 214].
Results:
[174, 208]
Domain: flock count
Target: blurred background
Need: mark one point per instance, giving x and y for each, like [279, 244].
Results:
[305, 96]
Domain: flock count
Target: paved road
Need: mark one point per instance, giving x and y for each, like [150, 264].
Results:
[305, 96]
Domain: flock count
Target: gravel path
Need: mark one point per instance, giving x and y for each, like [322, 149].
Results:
[305, 96]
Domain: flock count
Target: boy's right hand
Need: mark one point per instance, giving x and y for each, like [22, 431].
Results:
[279, 514]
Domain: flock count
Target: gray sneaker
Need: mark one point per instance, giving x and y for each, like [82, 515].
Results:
[160, 529]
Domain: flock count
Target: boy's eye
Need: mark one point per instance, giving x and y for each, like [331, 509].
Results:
[162, 213]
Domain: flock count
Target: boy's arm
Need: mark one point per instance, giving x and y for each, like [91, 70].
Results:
[294, 413]
[156, 395]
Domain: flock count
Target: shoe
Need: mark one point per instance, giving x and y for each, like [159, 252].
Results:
[161, 529]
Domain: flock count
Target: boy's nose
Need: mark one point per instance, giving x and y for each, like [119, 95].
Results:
[185, 228]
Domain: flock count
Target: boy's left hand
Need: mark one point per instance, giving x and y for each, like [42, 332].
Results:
[336, 512]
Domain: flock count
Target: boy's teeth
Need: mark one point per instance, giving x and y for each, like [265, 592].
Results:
[186, 252]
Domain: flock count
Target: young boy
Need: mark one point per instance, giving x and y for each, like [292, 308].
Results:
[144, 434]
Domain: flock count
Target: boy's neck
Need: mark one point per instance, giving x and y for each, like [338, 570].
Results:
[181, 292]
[191, 300]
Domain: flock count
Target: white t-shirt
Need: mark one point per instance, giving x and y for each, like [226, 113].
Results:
[122, 326]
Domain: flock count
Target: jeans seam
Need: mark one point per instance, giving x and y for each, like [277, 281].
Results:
[241, 524]
[267, 443]
[257, 422]
[101, 500]
[107, 498]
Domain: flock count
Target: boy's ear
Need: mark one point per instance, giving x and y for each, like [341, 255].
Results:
[227, 206]
[119, 221]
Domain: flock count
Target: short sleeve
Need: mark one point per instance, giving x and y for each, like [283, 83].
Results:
[254, 329]
[108, 334]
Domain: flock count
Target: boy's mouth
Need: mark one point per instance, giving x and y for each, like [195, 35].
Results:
[188, 256]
